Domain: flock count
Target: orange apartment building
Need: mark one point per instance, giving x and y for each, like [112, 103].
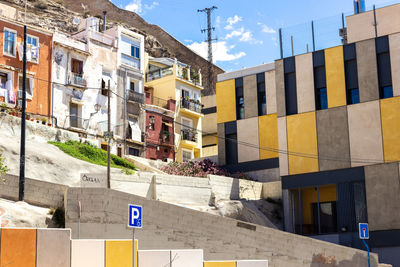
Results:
[39, 51]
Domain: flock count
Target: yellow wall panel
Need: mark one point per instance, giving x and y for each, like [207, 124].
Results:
[119, 253]
[226, 102]
[268, 135]
[335, 79]
[309, 196]
[302, 138]
[390, 117]
[220, 264]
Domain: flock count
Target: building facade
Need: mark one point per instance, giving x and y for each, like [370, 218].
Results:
[39, 73]
[209, 127]
[330, 123]
[170, 79]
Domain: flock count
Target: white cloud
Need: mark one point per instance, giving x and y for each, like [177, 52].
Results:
[265, 28]
[134, 6]
[231, 21]
[150, 7]
[234, 33]
[217, 21]
[221, 51]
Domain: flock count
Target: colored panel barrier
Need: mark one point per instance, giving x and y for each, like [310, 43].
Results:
[187, 258]
[53, 248]
[283, 145]
[154, 258]
[268, 134]
[305, 83]
[254, 263]
[87, 253]
[302, 143]
[394, 43]
[270, 88]
[335, 79]
[250, 96]
[247, 133]
[391, 128]
[226, 101]
[18, 248]
[219, 264]
[118, 253]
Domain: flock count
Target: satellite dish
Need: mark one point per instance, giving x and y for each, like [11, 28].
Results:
[76, 21]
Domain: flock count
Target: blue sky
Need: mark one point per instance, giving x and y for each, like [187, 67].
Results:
[247, 30]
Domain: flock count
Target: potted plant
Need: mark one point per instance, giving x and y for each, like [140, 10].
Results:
[44, 121]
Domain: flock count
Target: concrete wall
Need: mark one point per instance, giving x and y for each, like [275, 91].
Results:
[270, 88]
[53, 248]
[283, 146]
[154, 258]
[272, 190]
[365, 133]
[250, 96]
[87, 253]
[247, 133]
[305, 83]
[229, 188]
[280, 88]
[333, 139]
[367, 71]
[187, 258]
[382, 184]
[252, 264]
[391, 128]
[167, 226]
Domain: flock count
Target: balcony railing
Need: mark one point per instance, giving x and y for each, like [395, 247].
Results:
[76, 79]
[130, 61]
[158, 74]
[189, 135]
[136, 97]
[191, 104]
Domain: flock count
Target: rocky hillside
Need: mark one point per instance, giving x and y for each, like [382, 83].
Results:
[58, 14]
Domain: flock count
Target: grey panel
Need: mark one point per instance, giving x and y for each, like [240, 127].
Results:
[367, 70]
[333, 139]
[221, 143]
[280, 88]
[250, 96]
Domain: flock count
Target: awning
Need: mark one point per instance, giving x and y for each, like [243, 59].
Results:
[168, 124]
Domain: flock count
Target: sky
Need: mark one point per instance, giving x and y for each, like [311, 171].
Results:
[247, 30]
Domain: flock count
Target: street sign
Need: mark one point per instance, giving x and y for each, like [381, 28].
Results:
[135, 216]
[363, 230]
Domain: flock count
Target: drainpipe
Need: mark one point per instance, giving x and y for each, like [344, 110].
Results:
[104, 21]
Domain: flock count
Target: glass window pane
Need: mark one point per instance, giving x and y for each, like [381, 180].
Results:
[355, 98]
[387, 91]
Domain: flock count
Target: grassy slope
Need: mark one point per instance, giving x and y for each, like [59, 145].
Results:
[92, 154]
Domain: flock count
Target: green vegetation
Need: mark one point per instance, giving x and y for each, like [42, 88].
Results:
[3, 167]
[87, 152]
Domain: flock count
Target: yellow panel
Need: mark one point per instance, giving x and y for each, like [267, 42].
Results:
[220, 264]
[226, 103]
[302, 138]
[119, 253]
[309, 196]
[268, 134]
[391, 128]
[335, 79]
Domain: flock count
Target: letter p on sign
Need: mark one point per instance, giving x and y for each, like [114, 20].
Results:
[135, 216]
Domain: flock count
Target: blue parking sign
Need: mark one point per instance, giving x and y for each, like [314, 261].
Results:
[363, 230]
[135, 216]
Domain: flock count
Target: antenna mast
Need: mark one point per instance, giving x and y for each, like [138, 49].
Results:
[209, 40]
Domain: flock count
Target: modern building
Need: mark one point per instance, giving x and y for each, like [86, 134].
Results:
[38, 81]
[329, 120]
[171, 79]
[209, 127]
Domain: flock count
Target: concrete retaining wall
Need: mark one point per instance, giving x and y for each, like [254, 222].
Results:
[230, 188]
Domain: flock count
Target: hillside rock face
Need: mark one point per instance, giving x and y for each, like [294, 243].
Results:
[58, 15]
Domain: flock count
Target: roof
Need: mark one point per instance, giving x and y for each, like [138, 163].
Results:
[166, 61]
[245, 72]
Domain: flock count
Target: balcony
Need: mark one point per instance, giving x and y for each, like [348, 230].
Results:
[130, 61]
[166, 138]
[186, 73]
[76, 79]
[135, 97]
[160, 73]
[191, 104]
[189, 135]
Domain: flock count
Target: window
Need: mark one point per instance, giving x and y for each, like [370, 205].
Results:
[290, 86]
[186, 155]
[384, 68]
[353, 96]
[133, 151]
[261, 96]
[104, 89]
[231, 146]
[73, 113]
[351, 74]
[151, 123]
[320, 92]
[239, 99]
[10, 42]
[29, 86]
[33, 48]
[77, 66]
[327, 217]
[185, 94]
[132, 86]
[130, 50]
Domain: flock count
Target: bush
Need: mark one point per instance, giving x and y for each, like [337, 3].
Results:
[3, 167]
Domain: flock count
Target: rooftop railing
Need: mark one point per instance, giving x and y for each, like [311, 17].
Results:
[136, 97]
[191, 104]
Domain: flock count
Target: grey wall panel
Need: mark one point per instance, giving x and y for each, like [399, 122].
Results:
[382, 186]
[280, 88]
[283, 145]
[270, 88]
[221, 143]
[250, 96]
[394, 43]
[305, 83]
[367, 70]
[333, 138]
[247, 133]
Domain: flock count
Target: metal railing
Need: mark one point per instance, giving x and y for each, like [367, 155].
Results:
[76, 79]
[158, 102]
[160, 73]
[136, 97]
[191, 105]
[189, 135]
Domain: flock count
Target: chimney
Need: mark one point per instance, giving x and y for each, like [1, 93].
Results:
[104, 21]
[359, 6]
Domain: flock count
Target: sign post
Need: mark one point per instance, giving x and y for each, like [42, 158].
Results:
[135, 221]
[364, 234]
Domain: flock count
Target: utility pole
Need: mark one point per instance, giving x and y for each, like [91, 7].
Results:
[21, 195]
[209, 40]
[109, 135]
